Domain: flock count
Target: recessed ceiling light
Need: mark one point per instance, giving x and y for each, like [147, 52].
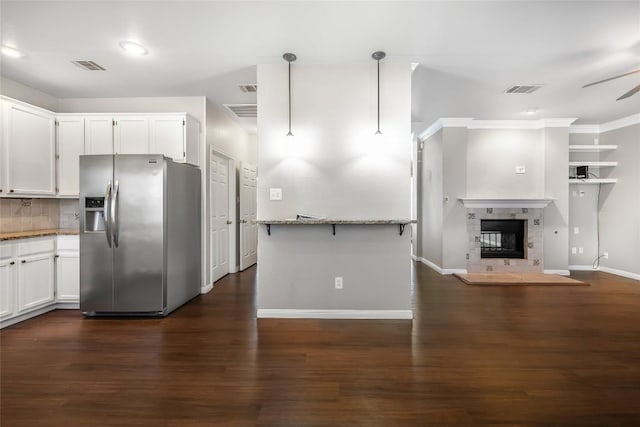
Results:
[11, 51]
[531, 111]
[134, 48]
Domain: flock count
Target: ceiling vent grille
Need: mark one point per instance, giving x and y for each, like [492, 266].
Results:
[243, 110]
[88, 65]
[249, 88]
[529, 88]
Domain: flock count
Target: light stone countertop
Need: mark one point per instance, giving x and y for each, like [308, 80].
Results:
[38, 233]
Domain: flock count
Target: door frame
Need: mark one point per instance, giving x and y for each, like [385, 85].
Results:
[232, 214]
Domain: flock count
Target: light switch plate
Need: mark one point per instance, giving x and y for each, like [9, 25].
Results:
[573, 250]
[576, 230]
[275, 194]
[521, 169]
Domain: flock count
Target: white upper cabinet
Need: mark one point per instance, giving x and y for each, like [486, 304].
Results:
[131, 135]
[98, 133]
[70, 147]
[168, 137]
[29, 140]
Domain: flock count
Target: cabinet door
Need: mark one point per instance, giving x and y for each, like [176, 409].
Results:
[35, 281]
[167, 137]
[7, 289]
[131, 135]
[30, 142]
[68, 278]
[70, 147]
[3, 147]
[98, 132]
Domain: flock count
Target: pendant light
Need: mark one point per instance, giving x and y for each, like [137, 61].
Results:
[289, 57]
[378, 56]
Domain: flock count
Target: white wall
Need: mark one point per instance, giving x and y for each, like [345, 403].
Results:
[492, 155]
[27, 94]
[556, 186]
[455, 178]
[334, 166]
[430, 223]
[620, 202]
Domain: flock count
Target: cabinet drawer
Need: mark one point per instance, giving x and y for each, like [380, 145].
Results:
[68, 243]
[36, 246]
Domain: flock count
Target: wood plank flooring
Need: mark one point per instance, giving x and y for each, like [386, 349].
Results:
[473, 356]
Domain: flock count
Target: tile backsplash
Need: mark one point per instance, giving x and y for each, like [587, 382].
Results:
[37, 214]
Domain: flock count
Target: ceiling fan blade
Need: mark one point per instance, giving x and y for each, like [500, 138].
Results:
[631, 92]
[612, 78]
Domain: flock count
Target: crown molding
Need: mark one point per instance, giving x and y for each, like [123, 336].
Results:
[620, 123]
[584, 129]
[521, 124]
[444, 122]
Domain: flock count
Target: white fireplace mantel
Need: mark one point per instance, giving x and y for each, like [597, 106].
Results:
[505, 203]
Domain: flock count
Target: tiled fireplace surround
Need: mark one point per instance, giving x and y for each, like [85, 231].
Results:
[533, 258]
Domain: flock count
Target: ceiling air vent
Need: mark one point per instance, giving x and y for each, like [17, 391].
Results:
[523, 88]
[249, 88]
[243, 110]
[88, 65]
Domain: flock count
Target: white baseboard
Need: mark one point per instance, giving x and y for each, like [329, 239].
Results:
[559, 272]
[431, 265]
[446, 271]
[205, 289]
[582, 268]
[440, 270]
[622, 273]
[334, 314]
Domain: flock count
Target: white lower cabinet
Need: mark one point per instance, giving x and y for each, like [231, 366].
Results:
[35, 281]
[38, 275]
[7, 288]
[67, 277]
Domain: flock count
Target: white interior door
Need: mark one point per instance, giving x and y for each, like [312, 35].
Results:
[219, 216]
[248, 205]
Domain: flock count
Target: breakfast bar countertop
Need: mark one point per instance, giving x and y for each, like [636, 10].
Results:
[38, 233]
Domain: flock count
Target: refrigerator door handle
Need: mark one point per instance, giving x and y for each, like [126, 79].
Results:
[114, 213]
[106, 213]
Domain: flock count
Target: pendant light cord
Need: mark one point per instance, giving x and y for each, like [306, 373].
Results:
[289, 98]
[378, 95]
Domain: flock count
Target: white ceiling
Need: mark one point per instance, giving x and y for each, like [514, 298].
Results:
[469, 52]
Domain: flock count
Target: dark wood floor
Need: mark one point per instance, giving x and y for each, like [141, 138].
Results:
[472, 356]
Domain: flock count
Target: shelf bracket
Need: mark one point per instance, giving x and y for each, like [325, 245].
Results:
[268, 229]
[334, 229]
[401, 228]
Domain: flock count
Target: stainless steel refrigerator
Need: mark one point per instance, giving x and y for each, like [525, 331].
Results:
[140, 234]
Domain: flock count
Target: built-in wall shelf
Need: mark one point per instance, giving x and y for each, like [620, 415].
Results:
[590, 148]
[594, 164]
[593, 181]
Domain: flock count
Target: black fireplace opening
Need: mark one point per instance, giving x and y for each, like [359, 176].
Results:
[502, 238]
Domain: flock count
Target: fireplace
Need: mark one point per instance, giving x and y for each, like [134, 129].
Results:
[503, 238]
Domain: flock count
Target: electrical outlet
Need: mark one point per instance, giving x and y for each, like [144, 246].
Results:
[573, 250]
[275, 194]
[338, 282]
[581, 193]
[605, 255]
[521, 169]
[580, 250]
[576, 230]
